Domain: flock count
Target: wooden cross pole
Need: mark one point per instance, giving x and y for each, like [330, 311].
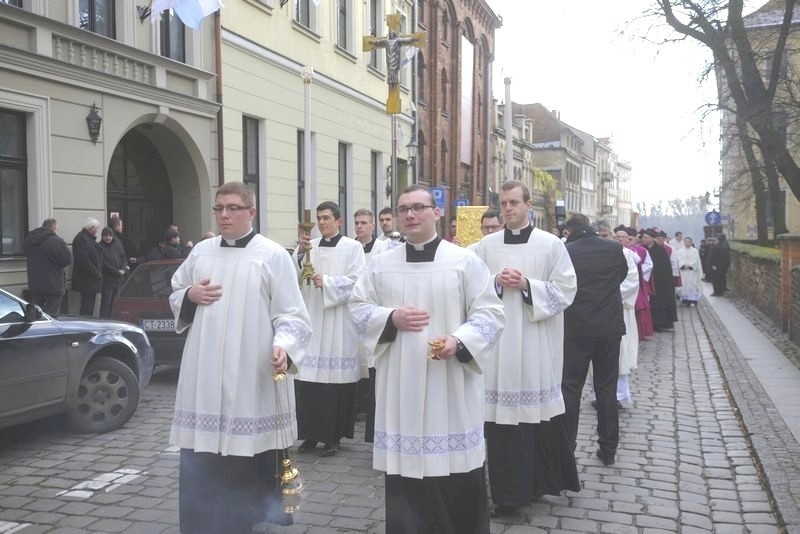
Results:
[393, 43]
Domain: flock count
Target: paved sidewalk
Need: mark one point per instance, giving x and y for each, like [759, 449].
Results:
[685, 462]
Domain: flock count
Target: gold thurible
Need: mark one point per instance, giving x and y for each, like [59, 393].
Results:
[289, 479]
[308, 268]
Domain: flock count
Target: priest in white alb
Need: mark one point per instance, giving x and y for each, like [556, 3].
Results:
[237, 295]
[529, 452]
[429, 313]
[327, 384]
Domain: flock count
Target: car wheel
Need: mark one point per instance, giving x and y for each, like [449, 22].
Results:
[107, 397]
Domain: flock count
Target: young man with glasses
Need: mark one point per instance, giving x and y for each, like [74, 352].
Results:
[529, 453]
[237, 295]
[491, 221]
[429, 314]
[326, 387]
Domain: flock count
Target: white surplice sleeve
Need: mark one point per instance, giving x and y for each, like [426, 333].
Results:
[369, 316]
[629, 288]
[181, 282]
[647, 266]
[485, 318]
[290, 320]
[553, 295]
[337, 290]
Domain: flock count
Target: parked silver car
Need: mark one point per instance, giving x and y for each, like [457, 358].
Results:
[91, 369]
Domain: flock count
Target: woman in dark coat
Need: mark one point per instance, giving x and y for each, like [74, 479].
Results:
[719, 261]
[114, 268]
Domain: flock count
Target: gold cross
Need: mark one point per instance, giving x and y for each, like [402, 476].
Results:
[393, 44]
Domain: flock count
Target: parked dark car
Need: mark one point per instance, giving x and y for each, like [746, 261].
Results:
[91, 369]
[144, 301]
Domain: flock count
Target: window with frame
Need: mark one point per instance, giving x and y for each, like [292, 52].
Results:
[305, 13]
[374, 162]
[444, 91]
[15, 3]
[421, 76]
[341, 24]
[343, 168]
[445, 25]
[97, 16]
[173, 36]
[250, 146]
[13, 183]
[374, 18]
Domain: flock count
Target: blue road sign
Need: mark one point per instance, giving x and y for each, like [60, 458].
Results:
[462, 202]
[438, 196]
[713, 218]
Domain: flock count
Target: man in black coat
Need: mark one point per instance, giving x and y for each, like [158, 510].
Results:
[719, 261]
[593, 328]
[87, 269]
[47, 256]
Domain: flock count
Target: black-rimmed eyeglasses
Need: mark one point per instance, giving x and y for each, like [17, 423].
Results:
[416, 209]
[233, 208]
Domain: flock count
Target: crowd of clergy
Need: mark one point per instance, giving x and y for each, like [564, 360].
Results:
[470, 360]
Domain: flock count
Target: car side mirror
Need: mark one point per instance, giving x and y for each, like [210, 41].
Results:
[32, 312]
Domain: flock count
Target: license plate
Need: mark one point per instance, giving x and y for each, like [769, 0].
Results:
[158, 325]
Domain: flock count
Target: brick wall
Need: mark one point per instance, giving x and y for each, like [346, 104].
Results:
[758, 281]
[794, 313]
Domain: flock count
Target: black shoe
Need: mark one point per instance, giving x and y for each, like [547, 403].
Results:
[330, 449]
[307, 446]
[503, 511]
[619, 405]
[594, 404]
[607, 457]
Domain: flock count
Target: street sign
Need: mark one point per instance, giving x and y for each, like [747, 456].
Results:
[713, 218]
[462, 202]
[438, 196]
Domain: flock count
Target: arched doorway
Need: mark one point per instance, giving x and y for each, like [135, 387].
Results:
[139, 190]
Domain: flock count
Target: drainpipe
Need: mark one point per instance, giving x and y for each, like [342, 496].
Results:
[220, 141]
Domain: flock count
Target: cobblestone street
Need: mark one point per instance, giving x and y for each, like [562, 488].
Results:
[685, 464]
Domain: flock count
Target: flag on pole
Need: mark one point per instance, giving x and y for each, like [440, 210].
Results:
[191, 12]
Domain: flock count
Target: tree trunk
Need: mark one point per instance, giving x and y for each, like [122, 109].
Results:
[777, 202]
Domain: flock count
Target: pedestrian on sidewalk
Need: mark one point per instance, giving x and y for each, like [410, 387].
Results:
[429, 313]
[719, 261]
[238, 297]
[47, 256]
[87, 267]
[529, 452]
[593, 328]
[327, 384]
[115, 266]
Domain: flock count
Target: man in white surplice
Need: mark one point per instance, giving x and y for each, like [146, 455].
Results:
[528, 448]
[326, 386]
[237, 295]
[429, 411]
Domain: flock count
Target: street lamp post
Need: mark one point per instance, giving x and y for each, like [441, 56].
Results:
[413, 149]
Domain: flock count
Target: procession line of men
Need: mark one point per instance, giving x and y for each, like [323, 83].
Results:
[467, 347]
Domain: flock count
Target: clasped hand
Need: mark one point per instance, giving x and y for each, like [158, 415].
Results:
[205, 293]
[511, 278]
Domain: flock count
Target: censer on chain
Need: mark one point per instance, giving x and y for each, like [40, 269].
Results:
[289, 479]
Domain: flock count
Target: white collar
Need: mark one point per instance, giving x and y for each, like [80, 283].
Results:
[232, 242]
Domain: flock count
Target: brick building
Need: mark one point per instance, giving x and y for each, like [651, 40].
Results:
[456, 144]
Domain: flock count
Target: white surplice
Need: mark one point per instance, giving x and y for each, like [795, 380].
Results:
[523, 384]
[629, 288]
[691, 278]
[333, 352]
[429, 414]
[226, 398]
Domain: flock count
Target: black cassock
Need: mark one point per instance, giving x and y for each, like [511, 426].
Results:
[663, 306]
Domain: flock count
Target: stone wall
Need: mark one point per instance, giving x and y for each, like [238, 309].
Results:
[794, 313]
[757, 280]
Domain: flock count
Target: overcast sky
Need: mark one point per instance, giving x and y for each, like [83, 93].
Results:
[570, 56]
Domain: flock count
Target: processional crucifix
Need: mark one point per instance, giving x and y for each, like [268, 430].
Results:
[393, 43]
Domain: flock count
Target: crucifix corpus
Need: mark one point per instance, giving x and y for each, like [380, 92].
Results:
[393, 44]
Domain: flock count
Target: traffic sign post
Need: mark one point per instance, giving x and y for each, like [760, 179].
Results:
[713, 218]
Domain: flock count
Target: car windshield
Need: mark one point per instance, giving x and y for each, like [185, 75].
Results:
[150, 281]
